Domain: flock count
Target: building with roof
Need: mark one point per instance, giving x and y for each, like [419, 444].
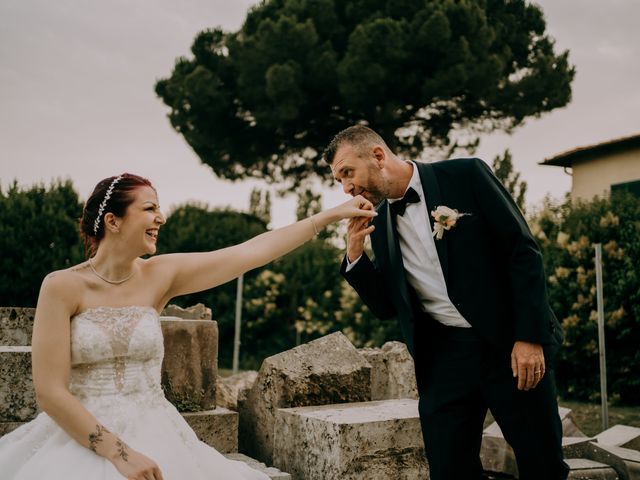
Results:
[599, 169]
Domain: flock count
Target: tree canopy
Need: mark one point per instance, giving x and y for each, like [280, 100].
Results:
[503, 169]
[38, 234]
[567, 234]
[265, 100]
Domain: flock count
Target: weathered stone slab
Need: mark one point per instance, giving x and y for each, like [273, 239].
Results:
[272, 472]
[217, 428]
[190, 363]
[17, 396]
[577, 447]
[392, 371]
[325, 371]
[230, 390]
[569, 426]
[370, 440]
[16, 326]
[197, 312]
[621, 436]
[6, 427]
[497, 455]
[624, 461]
[582, 469]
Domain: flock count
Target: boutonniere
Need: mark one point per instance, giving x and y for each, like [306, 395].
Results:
[445, 218]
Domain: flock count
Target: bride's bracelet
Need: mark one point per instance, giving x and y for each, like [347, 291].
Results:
[315, 228]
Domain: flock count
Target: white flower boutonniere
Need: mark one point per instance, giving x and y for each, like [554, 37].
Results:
[445, 218]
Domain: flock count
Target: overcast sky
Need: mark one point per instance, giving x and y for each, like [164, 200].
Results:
[77, 99]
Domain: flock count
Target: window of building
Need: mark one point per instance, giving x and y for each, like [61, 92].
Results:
[633, 187]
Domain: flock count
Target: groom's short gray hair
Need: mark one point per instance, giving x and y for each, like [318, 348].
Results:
[357, 136]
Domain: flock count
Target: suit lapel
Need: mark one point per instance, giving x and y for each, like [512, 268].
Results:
[433, 199]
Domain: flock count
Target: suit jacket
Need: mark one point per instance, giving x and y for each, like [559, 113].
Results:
[491, 263]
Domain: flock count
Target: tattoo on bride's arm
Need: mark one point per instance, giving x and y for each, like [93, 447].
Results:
[96, 437]
[122, 449]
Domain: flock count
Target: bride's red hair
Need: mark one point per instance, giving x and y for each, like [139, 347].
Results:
[120, 199]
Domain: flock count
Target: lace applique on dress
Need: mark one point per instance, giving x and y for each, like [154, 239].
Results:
[116, 344]
[119, 331]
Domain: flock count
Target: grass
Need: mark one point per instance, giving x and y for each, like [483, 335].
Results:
[588, 419]
[587, 416]
[225, 372]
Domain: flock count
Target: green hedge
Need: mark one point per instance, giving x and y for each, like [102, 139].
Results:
[38, 234]
[567, 234]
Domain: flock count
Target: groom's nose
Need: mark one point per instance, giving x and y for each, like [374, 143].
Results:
[347, 187]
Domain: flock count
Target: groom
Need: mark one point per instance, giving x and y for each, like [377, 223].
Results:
[456, 264]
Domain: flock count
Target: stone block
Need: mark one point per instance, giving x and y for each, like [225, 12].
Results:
[325, 371]
[621, 436]
[217, 428]
[16, 326]
[196, 312]
[569, 427]
[583, 469]
[6, 427]
[497, 455]
[370, 440]
[233, 389]
[17, 396]
[272, 472]
[392, 371]
[624, 461]
[190, 365]
[577, 447]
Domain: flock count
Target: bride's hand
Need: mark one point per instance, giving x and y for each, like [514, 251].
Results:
[135, 466]
[358, 206]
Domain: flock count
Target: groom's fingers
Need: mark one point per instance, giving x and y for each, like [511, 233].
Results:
[355, 238]
[360, 229]
[522, 377]
[369, 230]
[531, 379]
[358, 223]
[354, 225]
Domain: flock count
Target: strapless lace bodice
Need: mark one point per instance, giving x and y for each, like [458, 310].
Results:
[116, 353]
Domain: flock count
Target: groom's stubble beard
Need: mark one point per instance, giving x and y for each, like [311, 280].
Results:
[376, 186]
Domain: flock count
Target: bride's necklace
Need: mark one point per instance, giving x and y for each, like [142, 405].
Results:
[113, 282]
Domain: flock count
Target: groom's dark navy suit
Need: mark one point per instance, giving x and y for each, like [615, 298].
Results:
[494, 276]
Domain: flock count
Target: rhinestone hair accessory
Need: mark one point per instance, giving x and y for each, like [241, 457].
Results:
[103, 204]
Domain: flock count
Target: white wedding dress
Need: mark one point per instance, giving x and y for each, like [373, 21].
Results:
[116, 356]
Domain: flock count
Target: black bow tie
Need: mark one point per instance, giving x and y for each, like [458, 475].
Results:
[398, 207]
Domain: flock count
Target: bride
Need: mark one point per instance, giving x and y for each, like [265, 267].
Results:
[97, 346]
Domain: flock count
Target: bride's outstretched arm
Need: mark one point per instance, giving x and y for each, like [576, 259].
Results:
[194, 272]
[51, 364]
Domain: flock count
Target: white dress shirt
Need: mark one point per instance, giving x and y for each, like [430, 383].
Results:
[420, 257]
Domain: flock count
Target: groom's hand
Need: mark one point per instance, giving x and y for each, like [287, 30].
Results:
[357, 232]
[527, 363]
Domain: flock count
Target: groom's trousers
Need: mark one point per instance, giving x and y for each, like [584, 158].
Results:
[460, 376]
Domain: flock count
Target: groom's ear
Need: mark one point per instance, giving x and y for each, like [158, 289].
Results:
[380, 155]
